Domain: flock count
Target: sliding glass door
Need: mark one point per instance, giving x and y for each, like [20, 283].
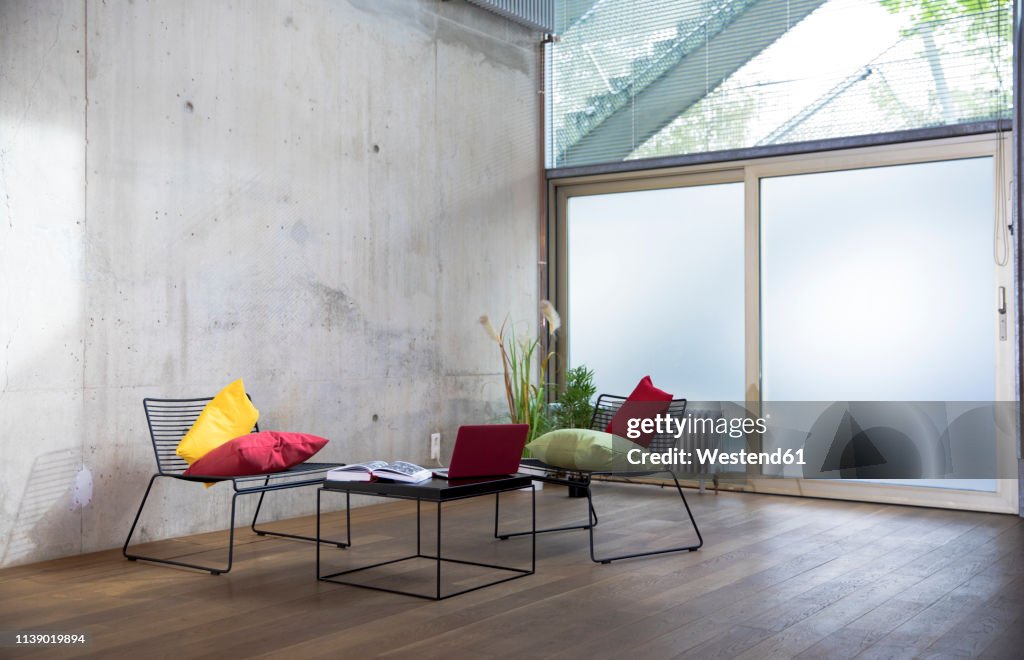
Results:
[878, 285]
[870, 275]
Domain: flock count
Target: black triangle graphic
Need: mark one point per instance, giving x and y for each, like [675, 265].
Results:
[851, 448]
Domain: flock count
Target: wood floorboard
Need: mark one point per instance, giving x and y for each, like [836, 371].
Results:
[775, 596]
[972, 634]
[777, 578]
[820, 613]
[1007, 642]
[961, 558]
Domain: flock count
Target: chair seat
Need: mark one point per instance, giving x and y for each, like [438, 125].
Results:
[300, 469]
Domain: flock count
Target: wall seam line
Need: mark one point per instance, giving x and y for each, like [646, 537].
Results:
[85, 220]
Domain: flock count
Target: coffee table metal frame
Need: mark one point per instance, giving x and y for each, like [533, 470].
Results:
[436, 491]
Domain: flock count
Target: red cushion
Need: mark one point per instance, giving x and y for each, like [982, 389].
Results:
[257, 453]
[646, 401]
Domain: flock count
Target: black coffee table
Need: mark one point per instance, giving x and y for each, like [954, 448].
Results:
[436, 491]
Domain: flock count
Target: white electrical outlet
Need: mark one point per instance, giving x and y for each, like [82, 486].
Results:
[435, 446]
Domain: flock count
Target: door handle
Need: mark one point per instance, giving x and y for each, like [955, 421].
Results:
[1001, 299]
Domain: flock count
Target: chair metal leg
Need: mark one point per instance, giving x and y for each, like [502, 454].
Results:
[259, 505]
[300, 537]
[231, 537]
[687, 548]
[213, 570]
[592, 522]
[124, 549]
[693, 521]
[533, 528]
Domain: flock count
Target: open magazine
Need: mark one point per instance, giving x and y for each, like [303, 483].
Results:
[371, 470]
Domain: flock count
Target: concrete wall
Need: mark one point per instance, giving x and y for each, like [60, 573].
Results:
[320, 196]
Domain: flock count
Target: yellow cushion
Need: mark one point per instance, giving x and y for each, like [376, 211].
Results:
[229, 415]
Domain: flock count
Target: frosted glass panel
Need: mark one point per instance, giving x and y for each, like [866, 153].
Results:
[655, 286]
[878, 284]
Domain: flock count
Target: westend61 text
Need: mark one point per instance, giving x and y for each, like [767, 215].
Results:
[716, 457]
[666, 424]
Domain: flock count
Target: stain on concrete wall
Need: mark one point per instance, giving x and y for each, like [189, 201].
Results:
[318, 197]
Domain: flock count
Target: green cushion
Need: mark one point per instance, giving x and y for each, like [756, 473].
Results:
[583, 449]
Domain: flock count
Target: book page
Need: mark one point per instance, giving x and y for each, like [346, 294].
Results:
[401, 467]
[369, 466]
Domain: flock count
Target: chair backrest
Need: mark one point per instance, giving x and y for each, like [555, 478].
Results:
[608, 404]
[169, 420]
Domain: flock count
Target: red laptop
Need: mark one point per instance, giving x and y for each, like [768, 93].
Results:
[488, 450]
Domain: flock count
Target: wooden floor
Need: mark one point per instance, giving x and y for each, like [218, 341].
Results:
[777, 577]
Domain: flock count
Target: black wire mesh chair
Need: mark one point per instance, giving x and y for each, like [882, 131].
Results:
[169, 420]
[580, 480]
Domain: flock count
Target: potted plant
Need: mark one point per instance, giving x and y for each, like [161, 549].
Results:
[575, 407]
